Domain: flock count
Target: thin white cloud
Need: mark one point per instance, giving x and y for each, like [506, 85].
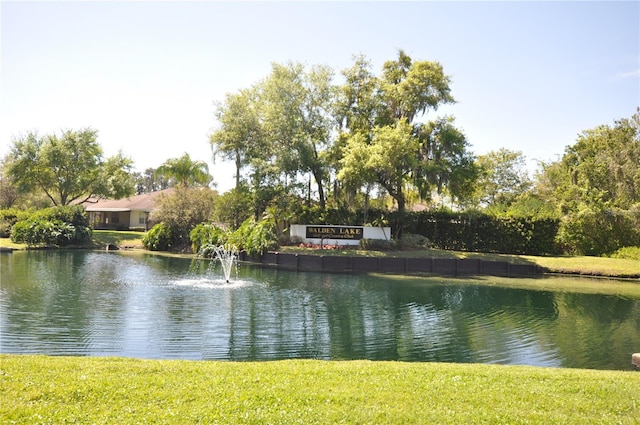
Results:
[631, 74]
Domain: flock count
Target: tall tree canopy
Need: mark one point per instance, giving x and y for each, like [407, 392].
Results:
[596, 188]
[299, 119]
[503, 177]
[409, 89]
[149, 181]
[389, 158]
[240, 136]
[601, 169]
[69, 167]
[297, 123]
[383, 139]
[185, 171]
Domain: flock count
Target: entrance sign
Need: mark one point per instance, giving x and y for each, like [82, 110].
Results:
[337, 235]
[334, 232]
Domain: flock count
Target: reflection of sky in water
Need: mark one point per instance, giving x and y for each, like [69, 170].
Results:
[149, 306]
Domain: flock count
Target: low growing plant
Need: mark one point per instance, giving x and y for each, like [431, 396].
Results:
[58, 226]
[158, 238]
[255, 238]
[627, 253]
[207, 234]
[374, 244]
[9, 217]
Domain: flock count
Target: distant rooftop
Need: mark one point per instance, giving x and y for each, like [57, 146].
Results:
[143, 202]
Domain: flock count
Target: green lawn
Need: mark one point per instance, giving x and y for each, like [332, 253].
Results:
[122, 238]
[39, 389]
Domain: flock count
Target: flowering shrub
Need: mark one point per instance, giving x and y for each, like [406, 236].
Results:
[323, 246]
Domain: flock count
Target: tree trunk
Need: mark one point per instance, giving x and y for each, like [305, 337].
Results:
[317, 175]
[401, 212]
[398, 195]
[238, 166]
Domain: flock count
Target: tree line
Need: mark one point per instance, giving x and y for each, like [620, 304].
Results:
[296, 132]
[306, 148]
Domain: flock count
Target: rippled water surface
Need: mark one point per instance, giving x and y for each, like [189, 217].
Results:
[139, 305]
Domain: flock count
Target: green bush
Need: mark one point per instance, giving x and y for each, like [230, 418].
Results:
[181, 211]
[413, 241]
[233, 207]
[628, 253]
[59, 226]
[262, 238]
[158, 238]
[255, 238]
[374, 244]
[600, 231]
[206, 234]
[9, 217]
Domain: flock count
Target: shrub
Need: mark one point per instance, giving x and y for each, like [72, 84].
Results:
[628, 253]
[182, 211]
[59, 226]
[374, 244]
[158, 238]
[600, 231]
[9, 217]
[255, 238]
[262, 238]
[233, 207]
[413, 241]
[474, 231]
[206, 234]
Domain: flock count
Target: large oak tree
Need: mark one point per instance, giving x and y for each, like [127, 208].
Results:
[384, 139]
[68, 167]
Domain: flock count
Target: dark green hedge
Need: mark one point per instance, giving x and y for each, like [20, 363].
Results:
[460, 231]
[484, 233]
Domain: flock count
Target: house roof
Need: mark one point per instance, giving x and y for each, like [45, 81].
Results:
[143, 202]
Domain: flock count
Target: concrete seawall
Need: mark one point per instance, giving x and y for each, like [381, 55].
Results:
[436, 266]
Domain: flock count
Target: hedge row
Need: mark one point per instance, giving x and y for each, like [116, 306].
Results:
[461, 231]
[485, 233]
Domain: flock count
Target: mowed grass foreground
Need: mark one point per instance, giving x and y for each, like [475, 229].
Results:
[41, 389]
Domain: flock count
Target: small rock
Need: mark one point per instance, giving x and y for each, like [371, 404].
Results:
[112, 247]
[635, 359]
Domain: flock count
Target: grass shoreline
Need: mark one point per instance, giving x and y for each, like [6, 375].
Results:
[41, 389]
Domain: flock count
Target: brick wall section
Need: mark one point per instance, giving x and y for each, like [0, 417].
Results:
[435, 266]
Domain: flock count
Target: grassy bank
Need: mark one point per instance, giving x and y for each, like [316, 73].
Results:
[39, 389]
[576, 265]
[121, 238]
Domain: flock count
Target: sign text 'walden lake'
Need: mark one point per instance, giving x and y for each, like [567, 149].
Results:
[334, 232]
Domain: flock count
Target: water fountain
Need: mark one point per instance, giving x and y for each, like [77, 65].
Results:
[226, 254]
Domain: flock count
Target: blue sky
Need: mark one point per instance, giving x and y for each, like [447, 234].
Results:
[528, 76]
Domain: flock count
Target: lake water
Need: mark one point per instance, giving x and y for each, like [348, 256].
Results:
[151, 306]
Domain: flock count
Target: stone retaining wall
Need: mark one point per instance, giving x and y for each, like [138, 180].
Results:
[437, 266]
